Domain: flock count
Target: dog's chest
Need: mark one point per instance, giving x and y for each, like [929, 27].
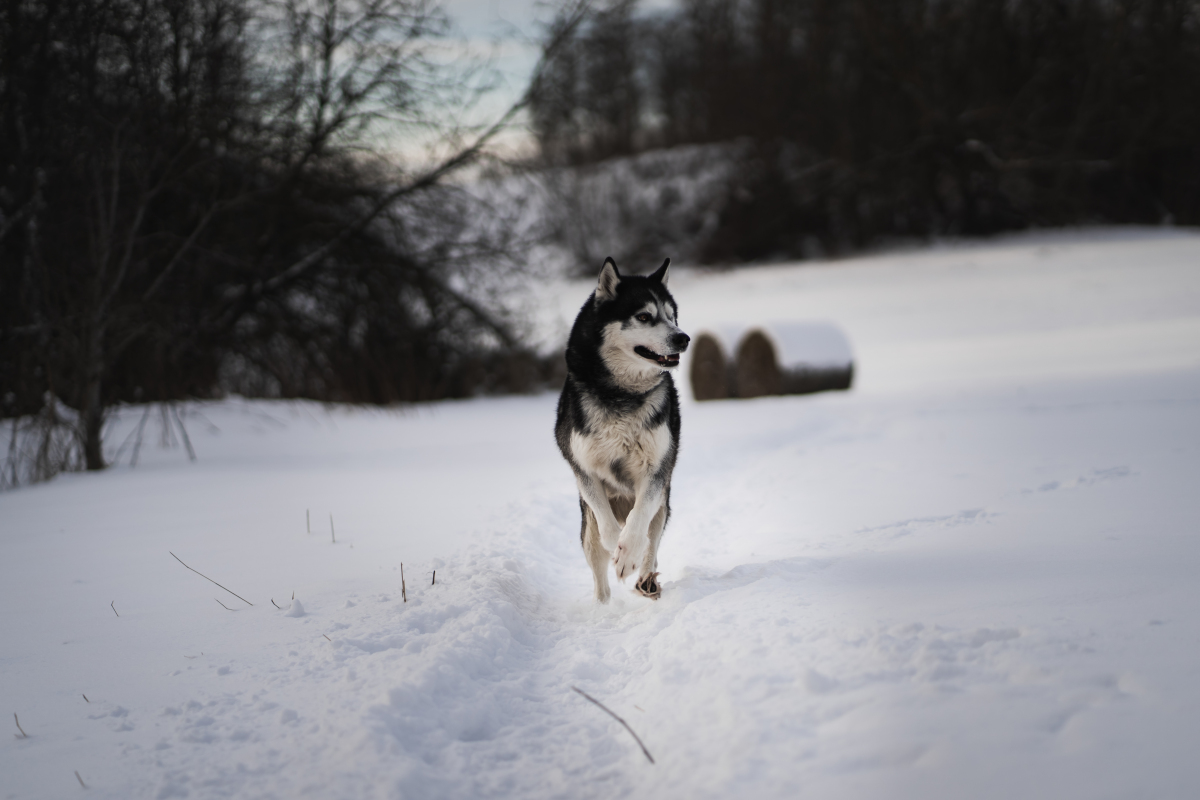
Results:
[620, 448]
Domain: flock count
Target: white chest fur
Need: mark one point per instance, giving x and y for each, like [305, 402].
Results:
[619, 449]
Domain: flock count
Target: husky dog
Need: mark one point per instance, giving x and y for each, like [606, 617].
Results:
[618, 422]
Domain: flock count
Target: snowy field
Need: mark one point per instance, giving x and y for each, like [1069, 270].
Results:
[976, 575]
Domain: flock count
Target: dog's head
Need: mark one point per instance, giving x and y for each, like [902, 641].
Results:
[638, 321]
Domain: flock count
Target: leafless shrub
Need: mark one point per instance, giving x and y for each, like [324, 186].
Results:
[39, 446]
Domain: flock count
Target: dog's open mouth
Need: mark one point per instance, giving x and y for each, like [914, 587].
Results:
[671, 360]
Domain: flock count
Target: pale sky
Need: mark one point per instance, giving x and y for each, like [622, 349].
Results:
[506, 34]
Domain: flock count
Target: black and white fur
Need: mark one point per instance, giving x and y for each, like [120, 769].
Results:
[618, 422]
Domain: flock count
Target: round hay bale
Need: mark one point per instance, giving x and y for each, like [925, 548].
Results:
[709, 373]
[757, 367]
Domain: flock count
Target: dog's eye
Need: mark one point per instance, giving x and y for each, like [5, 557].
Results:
[644, 317]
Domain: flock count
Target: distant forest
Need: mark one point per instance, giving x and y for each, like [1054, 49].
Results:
[865, 120]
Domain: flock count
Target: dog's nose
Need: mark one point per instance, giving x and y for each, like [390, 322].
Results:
[680, 341]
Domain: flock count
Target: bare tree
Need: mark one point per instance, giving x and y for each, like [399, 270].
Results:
[194, 198]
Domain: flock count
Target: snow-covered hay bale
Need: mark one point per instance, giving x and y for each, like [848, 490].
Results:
[790, 358]
[813, 356]
[709, 372]
[757, 368]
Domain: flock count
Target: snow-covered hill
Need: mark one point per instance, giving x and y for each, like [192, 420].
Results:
[974, 575]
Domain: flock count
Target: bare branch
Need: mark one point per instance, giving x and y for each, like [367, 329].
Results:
[183, 248]
[210, 580]
[618, 719]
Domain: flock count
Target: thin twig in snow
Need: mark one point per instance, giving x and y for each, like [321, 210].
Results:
[618, 719]
[85, 698]
[114, 607]
[327, 637]
[23, 735]
[81, 783]
[276, 604]
[331, 533]
[403, 592]
[434, 583]
[222, 605]
[210, 580]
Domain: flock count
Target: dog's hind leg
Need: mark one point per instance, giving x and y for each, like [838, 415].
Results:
[647, 582]
[597, 556]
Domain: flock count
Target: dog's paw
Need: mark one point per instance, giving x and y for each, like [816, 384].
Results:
[647, 586]
[624, 560]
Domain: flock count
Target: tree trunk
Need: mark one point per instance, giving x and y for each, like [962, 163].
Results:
[91, 415]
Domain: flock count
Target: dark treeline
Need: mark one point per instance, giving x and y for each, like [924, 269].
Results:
[870, 119]
[189, 205]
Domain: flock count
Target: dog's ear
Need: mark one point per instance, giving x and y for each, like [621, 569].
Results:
[606, 288]
[661, 274]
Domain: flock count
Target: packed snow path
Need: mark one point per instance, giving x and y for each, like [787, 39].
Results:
[972, 576]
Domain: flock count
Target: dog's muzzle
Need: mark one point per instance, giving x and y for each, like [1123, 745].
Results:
[677, 340]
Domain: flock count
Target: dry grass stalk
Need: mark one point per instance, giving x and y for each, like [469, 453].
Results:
[222, 605]
[608, 711]
[113, 604]
[434, 583]
[276, 604]
[403, 592]
[210, 580]
[187, 442]
[23, 735]
[85, 699]
[81, 783]
[331, 533]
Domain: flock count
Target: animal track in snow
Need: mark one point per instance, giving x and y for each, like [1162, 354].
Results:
[907, 526]
[1094, 477]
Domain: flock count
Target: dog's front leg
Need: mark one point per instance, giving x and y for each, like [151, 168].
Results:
[592, 492]
[635, 538]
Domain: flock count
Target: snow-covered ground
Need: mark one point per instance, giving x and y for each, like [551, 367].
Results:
[973, 576]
